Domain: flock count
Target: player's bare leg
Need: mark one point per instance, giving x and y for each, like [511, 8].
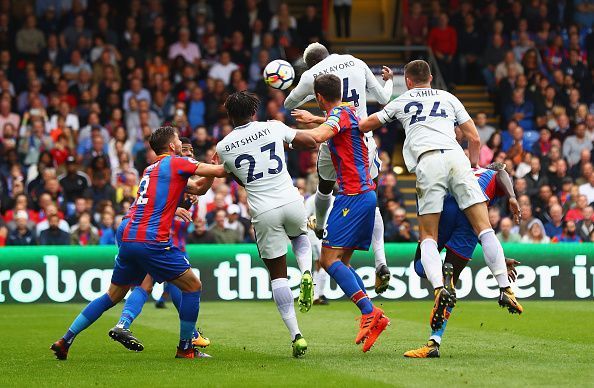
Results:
[445, 296]
[283, 297]
[191, 288]
[382, 272]
[132, 309]
[494, 256]
[87, 317]
[373, 322]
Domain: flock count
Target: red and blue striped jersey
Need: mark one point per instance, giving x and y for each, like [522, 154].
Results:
[159, 193]
[179, 232]
[349, 151]
[488, 183]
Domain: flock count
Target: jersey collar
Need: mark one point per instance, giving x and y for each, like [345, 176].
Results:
[162, 156]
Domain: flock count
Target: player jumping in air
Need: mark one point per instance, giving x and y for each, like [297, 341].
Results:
[350, 223]
[144, 240]
[138, 297]
[356, 80]
[432, 152]
[458, 237]
[254, 154]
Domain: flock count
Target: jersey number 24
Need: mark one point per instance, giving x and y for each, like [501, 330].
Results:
[252, 163]
[416, 117]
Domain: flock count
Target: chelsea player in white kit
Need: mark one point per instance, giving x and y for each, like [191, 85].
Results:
[429, 117]
[357, 80]
[254, 154]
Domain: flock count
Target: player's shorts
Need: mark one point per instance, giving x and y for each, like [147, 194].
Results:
[326, 168]
[274, 226]
[350, 223]
[455, 233]
[120, 232]
[163, 261]
[442, 171]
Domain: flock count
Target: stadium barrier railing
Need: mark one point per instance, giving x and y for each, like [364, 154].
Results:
[234, 272]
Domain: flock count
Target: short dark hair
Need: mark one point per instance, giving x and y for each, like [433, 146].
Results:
[160, 139]
[185, 140]
[241, 106]
[329, 86]
[418, 71]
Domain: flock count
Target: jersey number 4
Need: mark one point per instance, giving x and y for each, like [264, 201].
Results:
[252, 163]
[416, 117]
[354, 97]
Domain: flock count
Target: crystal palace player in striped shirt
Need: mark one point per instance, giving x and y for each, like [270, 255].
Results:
[351, 221]
[144, 240]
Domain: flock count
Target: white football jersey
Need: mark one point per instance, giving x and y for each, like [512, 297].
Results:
[429, 117]
[255, 154]
[357, 80]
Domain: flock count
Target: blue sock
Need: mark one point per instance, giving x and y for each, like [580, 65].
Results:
[349, 284]
[359, 280]
[188, 314]
[133, 307]
[89, 315]
[437, 334]
[175, 294]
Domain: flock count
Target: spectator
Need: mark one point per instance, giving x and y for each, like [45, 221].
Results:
[569, 233]
[443, 40]
[200, 235]
[505, 234]
[29, 39]
[507, 66]
[223, 68]
[575, 144]
[309, 26]
[488, 150]
[555, 226]
[406, 233]
[392, 228]
[185, 48]
[577, 213]
[107, 230]
[222, 234]
[520, 110]
[535, 179]
[196, 108]
[53, 235]
[21, 235]
[83, 233]
[585, 227]
[415, 26]
[494, 55]
[485, 130]
[100, 189]
[587, 189]
[536, 233]
[342, 16]
[234, 223]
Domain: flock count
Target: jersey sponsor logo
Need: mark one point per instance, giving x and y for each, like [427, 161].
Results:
[247, 140]
[345, 211]
[335, 68]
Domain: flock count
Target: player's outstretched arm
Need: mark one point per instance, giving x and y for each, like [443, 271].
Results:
[210, 170]
[303, 141]
[370, 123]
[305, 117]
[505, 184]
[320, 134]
[474, 142]
[199, 186]
[381, 93]
[302, 93]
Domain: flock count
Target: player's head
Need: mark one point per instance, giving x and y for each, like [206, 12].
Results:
[186, 147]
[242, 107]
[165, 140]
[314, 53]
[327, 89]
[417, 73]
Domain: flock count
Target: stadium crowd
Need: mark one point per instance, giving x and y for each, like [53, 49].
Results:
[83, 84]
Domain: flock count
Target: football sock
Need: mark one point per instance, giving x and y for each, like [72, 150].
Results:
[175, 294]
[283, 297]
[437, 334]
[494, 256]
[133, 307]
[359, 280]
[348, 283]
[377, 240]
[188, 314]
[322, 202]
[302, 250]
[320, 278]
[89, 315]
[431, 262]
[165, 293]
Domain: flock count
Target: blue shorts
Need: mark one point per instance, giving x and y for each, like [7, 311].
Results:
[350, 223]
[164, 262]
[455, 233]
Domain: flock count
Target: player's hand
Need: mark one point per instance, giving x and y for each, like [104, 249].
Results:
[387, 73]
[303, 116]
[183, 214]
[193, 198]
[514, 206]
[512, 273]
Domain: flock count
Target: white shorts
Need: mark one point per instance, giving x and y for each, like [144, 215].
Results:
[442, 172]
[274, 226]
[326, 168]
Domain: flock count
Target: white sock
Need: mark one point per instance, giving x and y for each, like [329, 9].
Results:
[281, 293]
[303, 254]
[320, 278]
[322, 203]
[377, 240]
[431, 262]
[494, 256]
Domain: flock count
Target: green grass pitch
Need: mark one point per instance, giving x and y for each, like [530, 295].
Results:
[551, 344]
